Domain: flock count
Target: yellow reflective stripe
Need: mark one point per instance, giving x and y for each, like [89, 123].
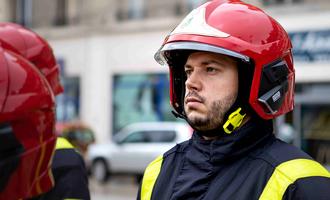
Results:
[287, 173]
[38, 169]
[149, 178]
[72, 199]
[62, 143]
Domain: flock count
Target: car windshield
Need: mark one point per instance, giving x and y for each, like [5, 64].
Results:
[150, 136]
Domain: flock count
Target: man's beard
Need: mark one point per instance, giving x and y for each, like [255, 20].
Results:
[214, 118]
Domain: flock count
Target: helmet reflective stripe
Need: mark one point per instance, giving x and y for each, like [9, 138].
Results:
[195, 23]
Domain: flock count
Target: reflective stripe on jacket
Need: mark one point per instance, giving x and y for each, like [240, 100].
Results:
[62, 143]
[284, 175]
[70, 175]
[253, 165]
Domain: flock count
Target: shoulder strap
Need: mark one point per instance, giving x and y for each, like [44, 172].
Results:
[149, 178]
[287, 173]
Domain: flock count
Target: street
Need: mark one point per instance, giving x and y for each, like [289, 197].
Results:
[117, 188]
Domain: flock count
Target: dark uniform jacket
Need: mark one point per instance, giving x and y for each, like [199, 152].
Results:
[248, 164]
[69, 173]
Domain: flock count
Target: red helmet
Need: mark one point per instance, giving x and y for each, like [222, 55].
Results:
[27, 112]
[28, 44]
[27, 120]
[249, 35]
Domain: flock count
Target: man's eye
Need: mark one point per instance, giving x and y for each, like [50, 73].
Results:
[210, 69]
[188, 72]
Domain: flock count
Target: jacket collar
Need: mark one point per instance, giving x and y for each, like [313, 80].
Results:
[239, 143]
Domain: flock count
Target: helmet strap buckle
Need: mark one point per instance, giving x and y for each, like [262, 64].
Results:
[234, 121]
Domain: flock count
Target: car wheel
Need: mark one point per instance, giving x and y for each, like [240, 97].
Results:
[100, 170]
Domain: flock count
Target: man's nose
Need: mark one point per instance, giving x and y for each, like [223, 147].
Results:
[193, 81]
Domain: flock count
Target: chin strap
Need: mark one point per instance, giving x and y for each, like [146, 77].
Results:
[178, 115]
[234, 120]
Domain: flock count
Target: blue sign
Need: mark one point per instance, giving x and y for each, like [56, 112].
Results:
[311, 46]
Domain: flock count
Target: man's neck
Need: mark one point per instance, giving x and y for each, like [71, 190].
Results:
[246, 119]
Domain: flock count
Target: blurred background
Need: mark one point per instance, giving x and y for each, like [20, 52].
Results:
[106, 47]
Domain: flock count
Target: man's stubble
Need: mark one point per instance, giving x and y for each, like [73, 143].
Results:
[215, 113]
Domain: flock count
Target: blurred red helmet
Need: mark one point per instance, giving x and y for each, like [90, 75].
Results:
[27, 113]
[249, 35]
[28, 44]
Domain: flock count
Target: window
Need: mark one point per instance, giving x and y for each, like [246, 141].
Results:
[142, 9]
[312, 120]
[130, 9]
[31, 13]
[278, 2]
[24, 12]
[161, 136]
[68, 104]
[315, 129]
[140, 98]
[135, 9]
[61, 13]
[192, 4]
[136, 137]
[153, 136]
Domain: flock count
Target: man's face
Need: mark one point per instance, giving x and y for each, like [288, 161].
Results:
[211, 89]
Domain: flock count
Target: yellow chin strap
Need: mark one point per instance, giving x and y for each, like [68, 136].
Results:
[234, 120]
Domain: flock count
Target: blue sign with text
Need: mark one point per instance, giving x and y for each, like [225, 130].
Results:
[311, 46]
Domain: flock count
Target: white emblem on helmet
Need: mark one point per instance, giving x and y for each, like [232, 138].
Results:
[195, 24]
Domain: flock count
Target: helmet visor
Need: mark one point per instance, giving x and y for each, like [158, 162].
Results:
[161, 58]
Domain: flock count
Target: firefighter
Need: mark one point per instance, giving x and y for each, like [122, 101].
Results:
[231, 74]
[29, 82]
[78, 134]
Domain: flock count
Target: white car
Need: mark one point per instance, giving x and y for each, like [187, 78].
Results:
[134, 147]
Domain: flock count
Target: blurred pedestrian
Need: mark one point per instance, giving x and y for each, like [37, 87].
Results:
[78, 134]
[29, 81]
[231, 72]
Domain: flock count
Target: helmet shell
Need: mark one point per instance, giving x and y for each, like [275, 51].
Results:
[242, 31]
[27, 121]
[30, 45]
